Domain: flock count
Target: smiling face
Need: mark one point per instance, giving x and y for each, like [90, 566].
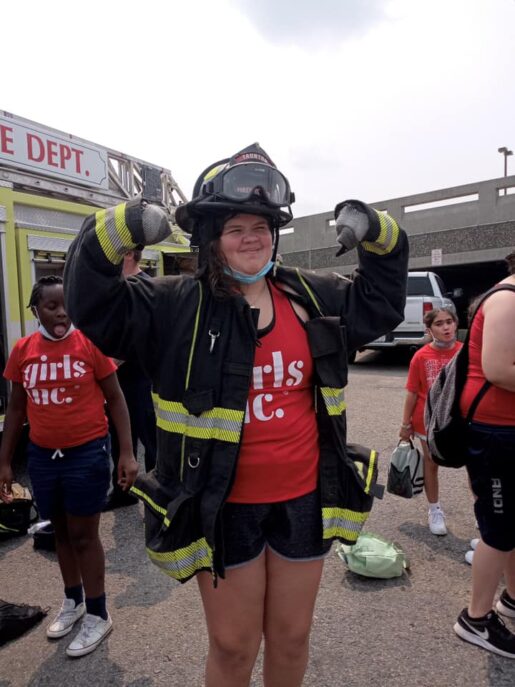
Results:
[51, 312]
[246, 243]
[444, 326]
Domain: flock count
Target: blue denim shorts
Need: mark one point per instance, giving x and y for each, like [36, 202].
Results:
[491, 468]
[75, 482]
[292, 529]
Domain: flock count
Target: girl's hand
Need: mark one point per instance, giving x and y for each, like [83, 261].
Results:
[127, 471]
[6, 478]
[405, 432]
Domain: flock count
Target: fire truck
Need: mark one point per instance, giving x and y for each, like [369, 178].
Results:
[49, 181]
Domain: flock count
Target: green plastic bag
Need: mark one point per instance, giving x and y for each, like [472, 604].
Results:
[374, 556]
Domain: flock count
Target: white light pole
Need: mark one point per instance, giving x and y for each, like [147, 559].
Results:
[504, 150]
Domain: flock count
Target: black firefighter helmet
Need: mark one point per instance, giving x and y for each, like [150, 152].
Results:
[247, 182]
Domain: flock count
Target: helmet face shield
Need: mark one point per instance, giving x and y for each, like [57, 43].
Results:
[247, 180]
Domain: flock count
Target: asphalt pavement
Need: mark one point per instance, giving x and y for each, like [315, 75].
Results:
[366, 633]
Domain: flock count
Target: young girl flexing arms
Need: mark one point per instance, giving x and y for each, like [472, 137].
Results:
[60, 381]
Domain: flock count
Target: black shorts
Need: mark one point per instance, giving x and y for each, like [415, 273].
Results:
[292, 529]
[491, 469]
[75, 481]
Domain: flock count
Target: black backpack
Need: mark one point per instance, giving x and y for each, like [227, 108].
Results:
[15, 619]
[446, 428]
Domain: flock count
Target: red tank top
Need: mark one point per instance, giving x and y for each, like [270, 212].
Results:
[497, 407]
[278, 458]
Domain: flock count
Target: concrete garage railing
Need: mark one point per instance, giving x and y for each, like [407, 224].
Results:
[453, 226]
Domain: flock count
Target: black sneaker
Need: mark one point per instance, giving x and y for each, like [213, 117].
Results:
[506, 605]
[489, 633]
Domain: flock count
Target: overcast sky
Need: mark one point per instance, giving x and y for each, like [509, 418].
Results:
[368, 99]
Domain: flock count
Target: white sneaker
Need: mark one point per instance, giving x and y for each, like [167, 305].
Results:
[469, 557]
[436, 519]
[473, 543]
[65, 619]
[93, 630]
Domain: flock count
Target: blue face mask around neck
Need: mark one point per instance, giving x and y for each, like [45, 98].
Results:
[443, 344]
[249, 278]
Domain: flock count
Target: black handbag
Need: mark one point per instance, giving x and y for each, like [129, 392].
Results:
[406, 471]
[16, 619]
[17, 516]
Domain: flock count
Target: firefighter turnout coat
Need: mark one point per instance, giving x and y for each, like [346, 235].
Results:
[199, 352]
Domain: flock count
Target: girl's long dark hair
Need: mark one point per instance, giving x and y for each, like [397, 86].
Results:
[221, 284]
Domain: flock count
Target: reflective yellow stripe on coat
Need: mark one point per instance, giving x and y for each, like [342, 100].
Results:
[333, 399]
[145, 497]
[183, 563]
[342, 522]
[388, 236]
[360, 467]
[218, 423]
[4, 528]
[113, 233]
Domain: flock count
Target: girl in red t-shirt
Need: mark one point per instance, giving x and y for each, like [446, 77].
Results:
[442, 325]
[60, 382]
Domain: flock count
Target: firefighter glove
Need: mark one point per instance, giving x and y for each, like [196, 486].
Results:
[352, 226]
[156, 226]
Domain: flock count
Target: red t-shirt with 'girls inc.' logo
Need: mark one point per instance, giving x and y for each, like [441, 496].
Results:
[278, 458]
[424, 368]
[65, 404]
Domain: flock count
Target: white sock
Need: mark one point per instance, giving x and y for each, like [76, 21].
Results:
[434, 506]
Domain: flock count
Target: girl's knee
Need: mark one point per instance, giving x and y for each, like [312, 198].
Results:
[83, 533]
[84, 539]
[61, 533]
[236, 653]
[291, 643]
